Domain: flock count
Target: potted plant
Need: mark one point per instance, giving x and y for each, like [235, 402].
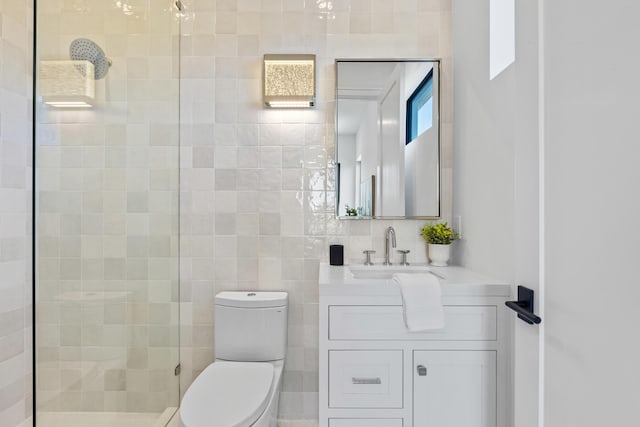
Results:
[439, 238]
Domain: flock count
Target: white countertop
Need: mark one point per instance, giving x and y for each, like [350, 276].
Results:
[338, 280]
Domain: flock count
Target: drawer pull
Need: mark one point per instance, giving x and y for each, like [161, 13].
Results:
[422, 370]
[355, 380]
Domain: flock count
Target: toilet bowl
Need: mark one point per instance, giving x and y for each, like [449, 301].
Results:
[233, 394]
[242, 387]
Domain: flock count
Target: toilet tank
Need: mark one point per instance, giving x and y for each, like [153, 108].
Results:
[250, 326]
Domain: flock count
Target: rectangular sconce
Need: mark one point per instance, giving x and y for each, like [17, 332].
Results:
[67, 84]
[289, 81]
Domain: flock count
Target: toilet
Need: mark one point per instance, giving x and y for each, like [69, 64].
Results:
[241, 388]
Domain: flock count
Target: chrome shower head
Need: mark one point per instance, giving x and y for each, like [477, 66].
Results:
[87, 50]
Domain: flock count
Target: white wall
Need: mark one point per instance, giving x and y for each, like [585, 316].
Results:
[347, 159]
[496, 170]
[258, 208]
[367, 148]
[414, 73]
[16, 37]
[390, 182]
[368, 152]
[484, 147]
[421, 175]
[421, 157]
[592, 209]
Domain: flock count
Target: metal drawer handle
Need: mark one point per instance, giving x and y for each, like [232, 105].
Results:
[422, 370]
[366, 380]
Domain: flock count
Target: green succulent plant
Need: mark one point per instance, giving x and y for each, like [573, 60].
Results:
[351, 211]
[438, 234]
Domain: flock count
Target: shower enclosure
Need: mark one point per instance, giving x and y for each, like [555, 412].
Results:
[107, 234]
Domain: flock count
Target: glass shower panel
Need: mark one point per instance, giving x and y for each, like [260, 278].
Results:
[107, 186]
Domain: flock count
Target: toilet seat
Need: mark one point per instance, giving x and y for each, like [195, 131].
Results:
[228, 394]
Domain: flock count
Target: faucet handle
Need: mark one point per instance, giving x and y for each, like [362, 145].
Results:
[368, 254]
[404, 256]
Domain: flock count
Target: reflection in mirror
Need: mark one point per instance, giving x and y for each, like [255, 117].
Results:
[388, 138]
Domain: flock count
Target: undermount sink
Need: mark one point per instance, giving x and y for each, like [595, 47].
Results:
[379, 271]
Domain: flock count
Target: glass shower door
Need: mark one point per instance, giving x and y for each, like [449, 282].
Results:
[107, 188]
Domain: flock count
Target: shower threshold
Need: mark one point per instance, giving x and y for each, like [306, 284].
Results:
[105, 419]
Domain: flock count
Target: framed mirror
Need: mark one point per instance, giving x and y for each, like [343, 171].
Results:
[388, 138]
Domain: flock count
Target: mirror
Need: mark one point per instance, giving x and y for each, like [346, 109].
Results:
[388, 138]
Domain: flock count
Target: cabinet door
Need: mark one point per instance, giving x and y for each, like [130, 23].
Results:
[455, 389]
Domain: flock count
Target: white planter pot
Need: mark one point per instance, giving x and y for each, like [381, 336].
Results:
[439, 254]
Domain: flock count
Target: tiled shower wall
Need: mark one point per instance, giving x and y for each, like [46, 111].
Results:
[16, 40]
[108, 214]
[257, 205]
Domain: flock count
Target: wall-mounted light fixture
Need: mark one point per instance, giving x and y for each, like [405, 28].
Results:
[289, 81]
[67, 84]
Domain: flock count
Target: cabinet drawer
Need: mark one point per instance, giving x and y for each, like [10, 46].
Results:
[365, 422]
[365, 379]
[386, 322]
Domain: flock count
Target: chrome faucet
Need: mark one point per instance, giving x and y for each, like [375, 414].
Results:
[387, 251]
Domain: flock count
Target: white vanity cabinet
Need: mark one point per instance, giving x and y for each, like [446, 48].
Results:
[375, 373]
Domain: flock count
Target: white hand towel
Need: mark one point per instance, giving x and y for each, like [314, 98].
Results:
[421, 300]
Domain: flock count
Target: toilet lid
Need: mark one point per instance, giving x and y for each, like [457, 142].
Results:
[227, 394]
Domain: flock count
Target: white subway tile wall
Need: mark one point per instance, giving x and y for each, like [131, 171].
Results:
[108, 215]
[257, 203]
[16, 39]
